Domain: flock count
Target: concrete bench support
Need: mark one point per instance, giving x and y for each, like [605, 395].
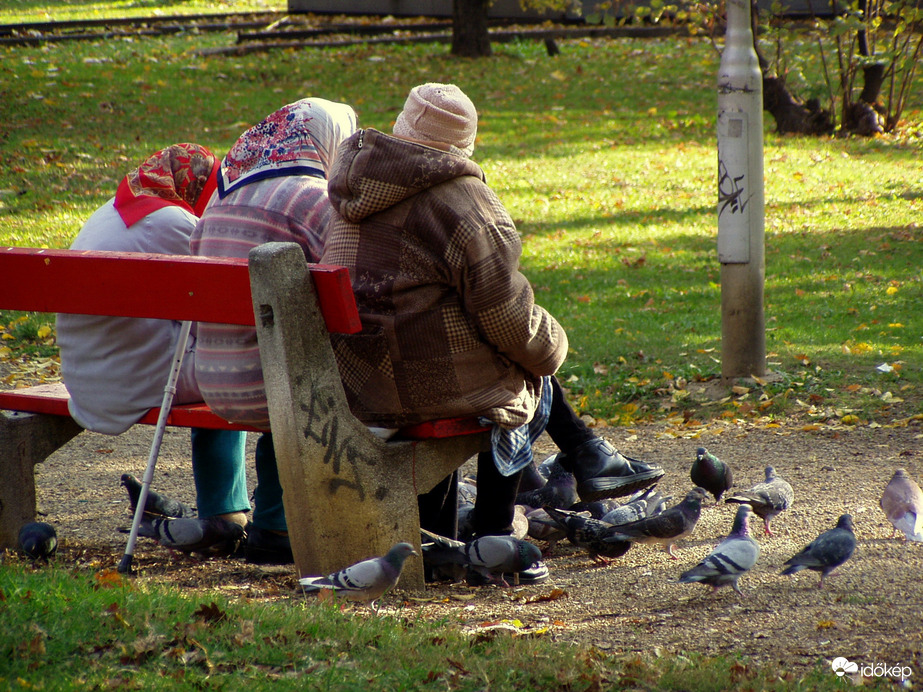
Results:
[348, 495]
[26, 439]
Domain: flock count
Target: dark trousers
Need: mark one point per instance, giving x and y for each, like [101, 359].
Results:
[439, 507]
[496, 498]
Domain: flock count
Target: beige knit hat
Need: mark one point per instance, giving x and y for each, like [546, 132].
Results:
[439, 113]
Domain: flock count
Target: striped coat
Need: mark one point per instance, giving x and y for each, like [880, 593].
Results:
[284, 209]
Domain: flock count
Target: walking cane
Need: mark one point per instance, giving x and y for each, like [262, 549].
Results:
[168, 392]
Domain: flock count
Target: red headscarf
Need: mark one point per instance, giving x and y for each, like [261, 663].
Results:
[182, 175]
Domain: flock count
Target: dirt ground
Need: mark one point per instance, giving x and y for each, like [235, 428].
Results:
[871, 610]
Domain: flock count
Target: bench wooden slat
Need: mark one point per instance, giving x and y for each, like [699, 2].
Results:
[52, 399]
[442, 428]
[133, 284]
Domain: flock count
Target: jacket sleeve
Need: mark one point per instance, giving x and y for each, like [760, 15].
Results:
[500, 301]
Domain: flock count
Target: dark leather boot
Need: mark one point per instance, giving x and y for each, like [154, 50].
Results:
[602, 471]
[267, 548]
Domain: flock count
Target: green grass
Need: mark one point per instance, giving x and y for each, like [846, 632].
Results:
[22, 11]
[73, 628]
[605, 157]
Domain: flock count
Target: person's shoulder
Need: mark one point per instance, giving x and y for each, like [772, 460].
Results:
[171, 215]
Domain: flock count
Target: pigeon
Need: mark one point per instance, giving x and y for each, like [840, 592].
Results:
[597, 508]
[826, 552]
[647, 503]
[709, 472]
[367, 581]
[731, 558]
[212, 537]
[531, 478]
[589, 534]
[466, 520]
[492, 557]
[665, 528]
[550, 465]
[902, 503]
[768, 499]
[156, 504]
[38, 540]
[560, 492]
[520, 523]
[543, 528]
[467, 492]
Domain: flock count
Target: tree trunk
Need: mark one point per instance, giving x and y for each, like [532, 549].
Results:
[863, 117]
[790, 113]
[470, 38]
[792, 116]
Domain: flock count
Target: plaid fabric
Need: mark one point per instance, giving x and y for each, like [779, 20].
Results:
[513, 448]
[450, 325]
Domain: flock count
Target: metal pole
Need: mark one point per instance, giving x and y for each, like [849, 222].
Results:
[168, 392]
[740, 199]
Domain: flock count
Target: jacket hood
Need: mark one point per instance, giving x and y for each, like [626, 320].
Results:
[375, 171]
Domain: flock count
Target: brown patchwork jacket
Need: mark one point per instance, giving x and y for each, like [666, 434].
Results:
[450, 325]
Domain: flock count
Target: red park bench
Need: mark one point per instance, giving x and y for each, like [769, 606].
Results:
[348, 494]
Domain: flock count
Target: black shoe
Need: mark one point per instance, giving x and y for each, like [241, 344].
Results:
[603, 472]
[535, 574]
[267, 548]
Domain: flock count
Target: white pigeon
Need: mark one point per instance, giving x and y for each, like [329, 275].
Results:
[731, 558]
[365, 581]
[902, 503]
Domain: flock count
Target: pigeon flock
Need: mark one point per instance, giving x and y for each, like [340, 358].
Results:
[606, 529]
[548, 512]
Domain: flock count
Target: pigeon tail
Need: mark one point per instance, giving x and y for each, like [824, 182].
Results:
[156, 504]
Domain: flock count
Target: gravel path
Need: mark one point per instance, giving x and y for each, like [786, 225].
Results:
[870, 612]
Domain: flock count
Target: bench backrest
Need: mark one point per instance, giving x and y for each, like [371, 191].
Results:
[132, 284]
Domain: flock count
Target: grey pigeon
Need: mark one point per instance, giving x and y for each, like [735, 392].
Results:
[38, 540]
[709, 472]
[559, 491]
[665, 528]
[550, 465]
[492, 557]
[647, 503]
[543, 528]
[466, 520]
[731, 558]
[366, 581]
[212, 537]
[531, 478]
[768, 499]
[589, 534]
[826, 552]
[156, 504]
[902, 503]
[467, 494]
[597, 508]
